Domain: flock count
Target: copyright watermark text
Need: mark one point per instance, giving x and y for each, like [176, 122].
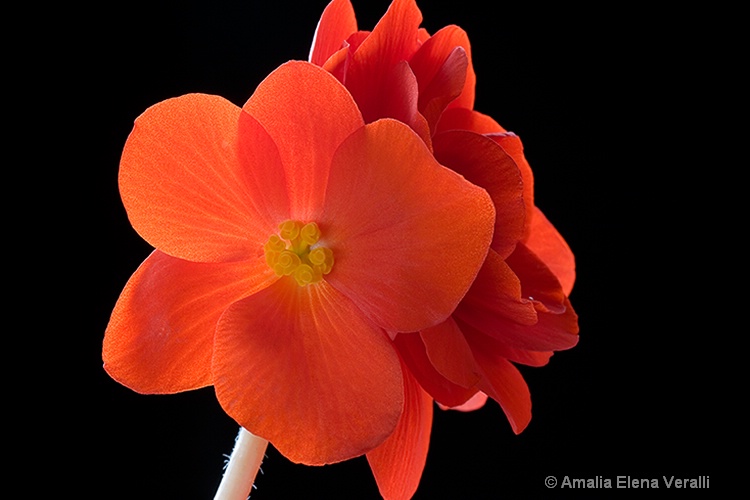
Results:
[627, 482]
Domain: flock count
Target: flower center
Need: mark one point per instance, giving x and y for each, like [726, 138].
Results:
[293, 252]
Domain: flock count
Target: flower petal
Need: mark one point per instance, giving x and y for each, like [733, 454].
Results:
[496, 291]
[159, 338]
[301, 367]
[484, 163]
[403, 101]
[444, 71]
[414, 354]
[467, 119]
[444, 87]
[512, 145]
[504, 383]
[498, 347]
[397, 464]
[450, 354]
[408, 234]
[549, 245]
[336, 24]
[183, 184]
[552, 332]
[307, 113]
[337, 63]
[394, 39]
[495, 307]
[538, 283]
[476, 402]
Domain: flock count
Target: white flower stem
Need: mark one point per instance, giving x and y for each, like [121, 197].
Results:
[242, 468]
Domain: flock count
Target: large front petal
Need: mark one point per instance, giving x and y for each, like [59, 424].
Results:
[307, 113]
[184, 186]
[160, 337]
[302, 368]
[397, 464]
[408, 234]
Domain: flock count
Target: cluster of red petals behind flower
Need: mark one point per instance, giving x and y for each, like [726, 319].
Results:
[517, 310]
[442, 273]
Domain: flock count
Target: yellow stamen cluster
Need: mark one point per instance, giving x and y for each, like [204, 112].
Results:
[291, 252]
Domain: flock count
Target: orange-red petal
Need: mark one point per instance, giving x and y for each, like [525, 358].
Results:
[483, 162]
[497, 306]
[538, 283]
[505, 384]
[160, 336]
[336, 24]
[496, 291]
[408, 234]
[301, 367]
[183, 184]
[468, 119]
[445, 73]
[476, 402]
[498, 347]
[307, 113]
[444, 87]
[450, 354]
[414, 354]
[394, 39]
[397, 464]
[549, 245]
[403, 100]
[513, 146]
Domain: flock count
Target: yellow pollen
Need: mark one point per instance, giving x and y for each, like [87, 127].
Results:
[290, 254]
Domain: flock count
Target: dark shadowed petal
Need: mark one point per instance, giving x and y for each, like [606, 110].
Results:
[484, 163]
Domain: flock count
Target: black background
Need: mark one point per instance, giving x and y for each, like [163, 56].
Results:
[592, 95]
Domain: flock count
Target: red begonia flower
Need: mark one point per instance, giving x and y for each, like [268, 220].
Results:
[289, 242]
[517, 310]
